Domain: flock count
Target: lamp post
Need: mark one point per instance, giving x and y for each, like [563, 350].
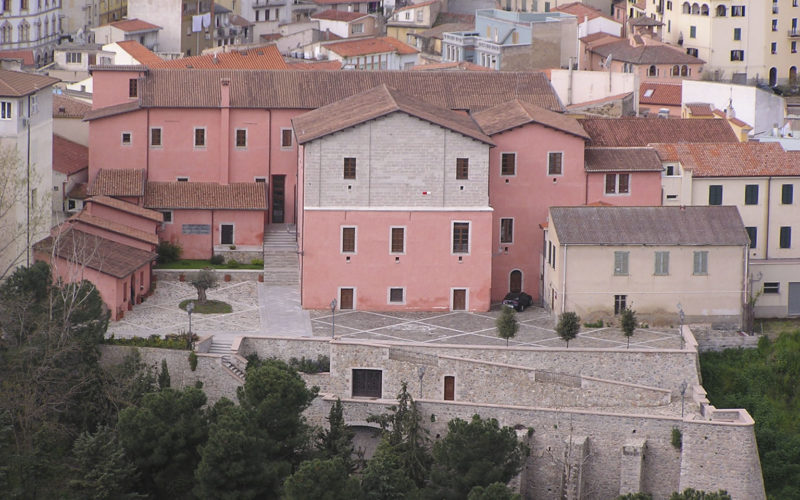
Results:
[189, 310]
[682, 388]
[333, 317]
[421, 373]
[682, 317]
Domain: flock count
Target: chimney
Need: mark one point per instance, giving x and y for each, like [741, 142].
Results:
[225, 92]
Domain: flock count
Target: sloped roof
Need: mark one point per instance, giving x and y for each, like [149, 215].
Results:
[109, 225]
[18, 83]
[700, 109]
[266, 57]
[206, 195]
[624, 132]
[69, 157]
[644, 21]
[668, 94]
[644, 54]
[316, 65]
[79, 191]
[134, 25]
[69, 107]
[666, 226]
[338, 15]
[439, 29]
[118, 182]
[116, 109]
[516, 113]
[375, 103]
[744, 159]
[582, 11]
[451, 66]
[415, 5]
[95, 252]
[139, 52]
[621, 160]
[366, 46]
[124, 206]
[26, 56]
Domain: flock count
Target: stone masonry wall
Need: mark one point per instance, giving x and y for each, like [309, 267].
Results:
[285, 348]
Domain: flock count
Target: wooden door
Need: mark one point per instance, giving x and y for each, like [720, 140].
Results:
[459, 299]
[278, 197]
[449, 388]
[226, 238]
[515, 281]
[346, 298]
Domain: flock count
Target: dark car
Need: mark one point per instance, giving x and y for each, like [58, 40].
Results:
[518, 300]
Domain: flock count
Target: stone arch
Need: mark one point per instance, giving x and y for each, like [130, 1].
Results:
[687, 9]
[695, 8]
[722, 11]
[793, 75]
[676, 71]
[652, 70]
[704, 10]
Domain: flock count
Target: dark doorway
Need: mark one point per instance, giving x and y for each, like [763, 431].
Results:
[346, 298]
[515, 281]
[773, 76]
[226, 234]
[367, 383]
[459, 299]
[278, 198]
[449, 388]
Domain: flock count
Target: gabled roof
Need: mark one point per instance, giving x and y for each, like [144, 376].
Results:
[206, 195]
[366, 46]
[416, 5]
[621, 160]
[644, 54]
[124, 206]
[69, 107]
[106, 256]
[18, 84]
[375, 103]
[134, 25]
[338, 15]
[118, 182]
[109, 225]
[700, 109]
[644, 21]
[516, 113]
[69, 157]
[744, 159]
[266, 57]
[668, 94]
[582, 11]
[663, 226]
[624, 132]
[139, 52]
[116, 109]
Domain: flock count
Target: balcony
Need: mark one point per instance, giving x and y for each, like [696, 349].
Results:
[794, 33]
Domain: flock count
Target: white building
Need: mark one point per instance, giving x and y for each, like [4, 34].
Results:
[31, 25]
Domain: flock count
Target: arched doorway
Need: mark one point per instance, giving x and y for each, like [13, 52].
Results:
[773, 76]
[515, 281]
[793, 75]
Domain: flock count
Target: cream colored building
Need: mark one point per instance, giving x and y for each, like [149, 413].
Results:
[745, 41]
[599, 260]
[760, 179]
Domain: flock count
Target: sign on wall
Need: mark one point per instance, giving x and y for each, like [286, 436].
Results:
[196, 229]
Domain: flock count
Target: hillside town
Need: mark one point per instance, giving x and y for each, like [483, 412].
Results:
[377, 183]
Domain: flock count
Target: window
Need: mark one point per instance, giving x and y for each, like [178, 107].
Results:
[226, 234]
[751, 194]
[692, 52]
[75, 57]
[167, 216]
[692, 31]
[772, 287]
[508, 164]
[737, 10]
[672, 171]
[349, 168]
[621, 263]
[773, 48]
[786, 237]
[662, 263]
[715, 195]
[398, 240]
[774, 25]
[460, 237]
[752, 233]
[794, 47]
[507, 230]
[722, 11]
[23, 4]
[397, 296]
[133, 90]
[349, 240]
[357, 28]
[420, 16]
[620, 303]
[737, 55]
[262, 180]
[554, 163]
[241, 137]
[737, 33]
[669, 5]
[199, 137]
[155, 137]
[5, 110]
[367, 383]
[462, 168]
[700, 265]
[126, 138]
[286, 137]
[652, 71]
[787, 194]
[617, 183]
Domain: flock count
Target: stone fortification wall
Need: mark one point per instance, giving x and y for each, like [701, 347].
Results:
[233, 275]
[284, 348]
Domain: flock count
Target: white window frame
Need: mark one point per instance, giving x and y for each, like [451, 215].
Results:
[205, 137]
[548, 164]
[469, 236]
[389, 296]
[161, 137]
[616, 184]
[774, 288]
[676, 171]
[466, 296]
[260, 179]
[515, 163]
[6, 110]
[291, 139]
[171, 216]
[405, 231]
[122, 138]
[339, 297]
[233, 234]
[235, 138]
[500, 236]
[702, 269]
[341, 240]
[661, 258]
[34, 106]
[625, 262]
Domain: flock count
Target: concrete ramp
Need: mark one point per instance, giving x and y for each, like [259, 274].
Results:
[281, 313]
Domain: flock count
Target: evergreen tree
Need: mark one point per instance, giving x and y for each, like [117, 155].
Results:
[102, 470]
[507, 324]
[569, 324]
[627, 321]
[163, 376]
[337, 440]
[322, 479]
[495, 491]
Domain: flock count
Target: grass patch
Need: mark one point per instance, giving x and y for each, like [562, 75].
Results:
[774, 327]
[210, 307]
[197, 264]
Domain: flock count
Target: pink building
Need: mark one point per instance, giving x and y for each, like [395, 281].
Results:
[628, 176]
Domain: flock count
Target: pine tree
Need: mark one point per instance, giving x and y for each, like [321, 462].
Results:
[507, 324]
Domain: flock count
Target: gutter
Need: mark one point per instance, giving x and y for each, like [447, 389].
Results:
[564, 282]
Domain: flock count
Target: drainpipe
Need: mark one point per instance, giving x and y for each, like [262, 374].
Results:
[269, 167]
[564, 283]
[746, 249]
[766, 233]
[28, 188]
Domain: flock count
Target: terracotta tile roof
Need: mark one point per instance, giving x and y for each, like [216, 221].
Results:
[139, 52]
[124, 206]
[366, 46]
[582, 11]
[18, 84]
[116, 109]
[237, 20]
[451, 66]
[667, 226]
[316, 65]
[266, 57]
[26, 56]
[586, 104]
[415, 5]
[516, 113]
[644, 21]
[375, 103]
[133, 25]
[119, 67]
[69, 107]
[700, 109]
[338, 15]
[621, 160]
[289, 89]
[69, 157]
[626, 132]
[79, 191]
[109, 225]
[668, 94]
[206, 195]
[118, 182]
[95, 252]
[721, 114]
[270, 37]
[744, 159]
[594, 37]
[644, 54]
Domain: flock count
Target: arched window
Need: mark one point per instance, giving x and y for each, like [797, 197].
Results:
[685, 70]
[695, 8]
[704, 10]
[687, 9]
[773, 76]
[793, 75]
[722, 11]
[652, 70]
[676, 70]
[515, 281]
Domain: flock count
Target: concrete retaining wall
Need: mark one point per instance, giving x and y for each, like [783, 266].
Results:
[236, 275]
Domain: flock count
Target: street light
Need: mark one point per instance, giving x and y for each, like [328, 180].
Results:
[421, 373]
[189, 310]
[682, 317]
[333, 317]
[683, 388]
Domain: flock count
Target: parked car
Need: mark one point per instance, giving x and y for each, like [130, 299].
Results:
[518, 300]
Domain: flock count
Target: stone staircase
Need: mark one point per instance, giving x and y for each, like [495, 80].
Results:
[223, 347]
[281, 265]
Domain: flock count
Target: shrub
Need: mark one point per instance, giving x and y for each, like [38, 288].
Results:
[168, 252]
[568, 326]
[171, 341]
[677, 438]
[257, 262]
[308, 365]
[217, 260]
[596, 324]
[193, 361]
[233, 263]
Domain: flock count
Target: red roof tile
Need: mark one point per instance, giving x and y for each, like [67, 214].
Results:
[26, 56]
[69, 157]
[582, 11]
[139, 52]
[117, 182]
[69, 107]
[415, 5]
[645, 54]
[744, 159]
[700, 109]
[18, 83]
[133, 25]
[451, 66]
[266, 57]
[622, 160]
[124, 206]
[116, 109]
[516, 113]
[338, 15]
[366, 46]
[206, 195]
[316, 65]
[100, 222]
[626, 132]
[79, 191]
[668, 94]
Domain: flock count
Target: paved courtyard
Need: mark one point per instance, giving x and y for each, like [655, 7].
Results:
[261, 310]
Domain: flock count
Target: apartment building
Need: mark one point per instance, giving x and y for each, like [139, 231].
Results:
[31, 26]
[412, 19]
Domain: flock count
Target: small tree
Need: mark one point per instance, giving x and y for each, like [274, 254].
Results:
[628, 323]
[337, 440]
[568, 326]
[163, 376]
[204, 280]
[507, 324]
